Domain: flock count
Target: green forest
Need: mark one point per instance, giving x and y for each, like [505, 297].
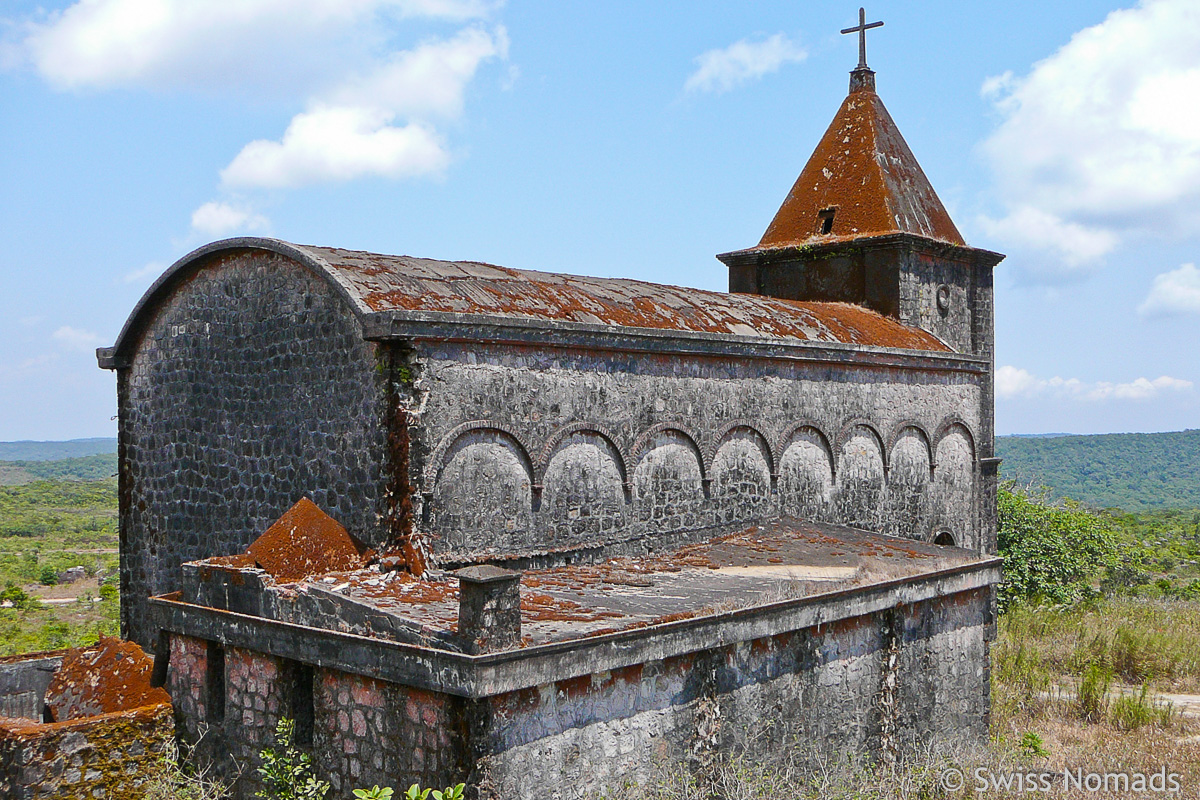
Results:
[1133, 472]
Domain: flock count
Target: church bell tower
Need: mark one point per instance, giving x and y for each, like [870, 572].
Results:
[863, 225]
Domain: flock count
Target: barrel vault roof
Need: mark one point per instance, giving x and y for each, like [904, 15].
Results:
[444, 290]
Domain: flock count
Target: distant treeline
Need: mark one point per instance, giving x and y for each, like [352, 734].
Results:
[1130, 471]
[87, 468]
[53, 451]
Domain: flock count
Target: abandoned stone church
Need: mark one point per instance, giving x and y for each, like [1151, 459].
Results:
[546, 533]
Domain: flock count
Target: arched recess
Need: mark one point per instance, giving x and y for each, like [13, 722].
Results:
[742, 475]
[952, 493]
[589, 428]
[910, 470]
[953, 425]
[441, 454]
[860, 490]
[584, 490]
[482, 499]
[910, 429]
[806, 473]
[668, 480]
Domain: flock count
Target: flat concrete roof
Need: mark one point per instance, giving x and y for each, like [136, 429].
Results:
[758, 565]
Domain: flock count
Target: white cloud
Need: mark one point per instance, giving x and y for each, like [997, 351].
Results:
[1076, 247]
[1104, 135]
[426, 81]
[140, 274]
[105, 43]
[723, 69]
[368, 107]
[1174, 292]
[217, 219]
[1013, 382]
[337, 144]
[353, 132]
[76, 339]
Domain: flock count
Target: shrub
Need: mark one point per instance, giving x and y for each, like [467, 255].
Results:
[287, 772]
[1032, 745]
[48, 577]
[15, 595]
[1051, 552]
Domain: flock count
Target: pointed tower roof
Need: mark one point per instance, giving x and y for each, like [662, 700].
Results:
[861, 181]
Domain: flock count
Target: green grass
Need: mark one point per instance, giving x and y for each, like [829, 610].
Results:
[46, 527]
[1137, 640]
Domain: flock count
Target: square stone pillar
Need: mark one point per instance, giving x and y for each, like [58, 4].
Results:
[489, 608]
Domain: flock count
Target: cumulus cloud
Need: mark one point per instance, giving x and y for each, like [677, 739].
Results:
[368, 108]
[105, 43]
[1102, 138]
[1013, 382]
[76, 339]
[354, 131]
[723, 69]
[1174, 292]
[217, 219]
[1076, 247]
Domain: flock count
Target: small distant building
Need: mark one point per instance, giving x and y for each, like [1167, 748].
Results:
[587, 526]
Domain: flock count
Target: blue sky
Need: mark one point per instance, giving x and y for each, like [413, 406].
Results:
[629, 139]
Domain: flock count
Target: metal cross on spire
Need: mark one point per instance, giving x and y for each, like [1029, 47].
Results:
[861, 29]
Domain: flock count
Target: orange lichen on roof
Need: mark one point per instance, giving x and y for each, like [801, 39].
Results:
[306, 541]
[864, 172]
[401, 283]
[110, 676]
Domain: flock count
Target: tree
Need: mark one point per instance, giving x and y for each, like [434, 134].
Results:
[1051, 550]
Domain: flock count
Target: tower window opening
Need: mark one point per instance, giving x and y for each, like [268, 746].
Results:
[826, 217]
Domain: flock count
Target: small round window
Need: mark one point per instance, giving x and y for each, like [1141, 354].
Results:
[943, 298]
[945, 539]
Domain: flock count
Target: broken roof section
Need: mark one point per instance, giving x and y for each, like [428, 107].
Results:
[110, 676]
[306, 541]
[861, 181]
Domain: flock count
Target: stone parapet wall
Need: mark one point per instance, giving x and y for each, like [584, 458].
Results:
[107, 756]
[816, 692]
[887, 681]
[23, 682]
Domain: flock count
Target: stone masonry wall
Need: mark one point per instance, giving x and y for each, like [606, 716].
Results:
[107, 756]
[527, 450]
[369, 732]
[364, 731]
[810, 693]
[251, 388]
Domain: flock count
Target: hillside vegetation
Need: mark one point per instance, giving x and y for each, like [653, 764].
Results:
[88, 468]
[1129, 471]
[53, 451]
